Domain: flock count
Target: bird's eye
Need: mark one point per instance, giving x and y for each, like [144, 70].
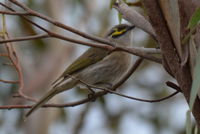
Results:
[118, 32]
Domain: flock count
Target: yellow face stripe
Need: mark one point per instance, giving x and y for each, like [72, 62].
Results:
[117, 32]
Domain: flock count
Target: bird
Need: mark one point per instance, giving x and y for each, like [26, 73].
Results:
[96, 66]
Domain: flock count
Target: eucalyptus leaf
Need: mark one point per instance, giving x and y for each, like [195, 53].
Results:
[194, 19]
[188, 122]
[196, 81]
[196, 129]
[120, 18]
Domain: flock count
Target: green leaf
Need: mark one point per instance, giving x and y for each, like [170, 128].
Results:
[120, 18]
[194, 19]
[188, 122]
[196, 129]
[196, 81]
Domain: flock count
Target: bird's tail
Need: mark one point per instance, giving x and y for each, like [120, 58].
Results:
[70, 84]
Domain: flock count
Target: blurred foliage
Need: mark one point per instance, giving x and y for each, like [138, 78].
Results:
[195, 19]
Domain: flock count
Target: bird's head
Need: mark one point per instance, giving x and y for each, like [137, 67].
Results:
[121, 34]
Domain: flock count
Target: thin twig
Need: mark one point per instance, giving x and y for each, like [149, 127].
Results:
[70, 104]
[53, 34]
[24, 17]
[141, 53]
[129, 97]
[173, 86]
[4, 55]
[145, 53]
[139, 99]
[14, 13]
[14, 60]
[33, 37]
[61, 25]
[9, 81]
[12, 55]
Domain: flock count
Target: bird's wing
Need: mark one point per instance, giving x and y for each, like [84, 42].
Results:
[91, 56]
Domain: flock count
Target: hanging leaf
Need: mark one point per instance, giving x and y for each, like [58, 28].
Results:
[196, 81]
[196, 129]
[188, 122]
[120, 18]
[194, 19]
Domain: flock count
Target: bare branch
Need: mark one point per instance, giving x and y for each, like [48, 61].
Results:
[173, 85]
[12, 55]
[145, 53]
[130, 97]
[138, 51]
[4, 55]
[33, 37]
[70, 104]
[14, 13]
[9, 81]
[24, 17]
[53, 34]
[80, 102]
[61, 25]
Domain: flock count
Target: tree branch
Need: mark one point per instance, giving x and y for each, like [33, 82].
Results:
[53, 34]
[25, 38]
[70, 104]
[61, 25]
[14, 13]
[9, 81]
[138, 51]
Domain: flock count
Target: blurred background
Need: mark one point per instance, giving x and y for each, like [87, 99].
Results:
[44, 60]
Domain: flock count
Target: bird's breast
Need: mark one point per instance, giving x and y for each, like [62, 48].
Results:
[109, 70]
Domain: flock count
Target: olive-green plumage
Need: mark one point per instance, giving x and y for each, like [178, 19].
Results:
[91, 56]
[96, 66]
